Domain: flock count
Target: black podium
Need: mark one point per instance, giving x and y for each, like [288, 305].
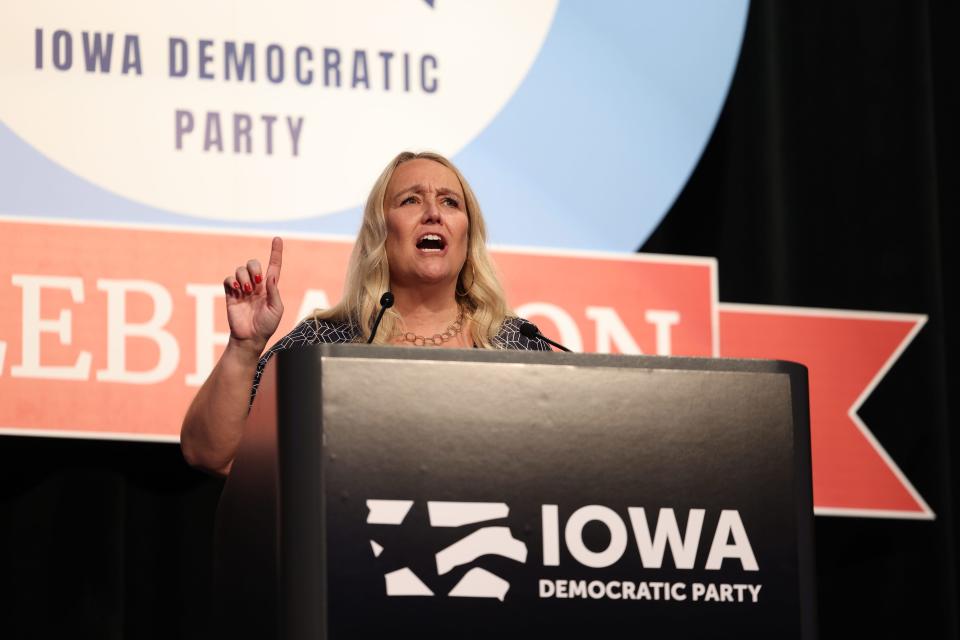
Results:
[435, 493]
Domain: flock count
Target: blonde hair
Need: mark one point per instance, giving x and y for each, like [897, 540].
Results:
[368, 275]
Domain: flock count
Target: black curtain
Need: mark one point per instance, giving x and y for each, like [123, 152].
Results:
[103, 540]
[830, 182]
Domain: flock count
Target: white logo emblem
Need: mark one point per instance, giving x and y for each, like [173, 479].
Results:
[489, 540]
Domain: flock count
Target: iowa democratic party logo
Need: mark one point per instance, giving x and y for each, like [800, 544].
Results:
[492, 539]
[244, 111]
[729, 548]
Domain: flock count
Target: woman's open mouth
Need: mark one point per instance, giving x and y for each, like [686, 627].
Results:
[431, 243]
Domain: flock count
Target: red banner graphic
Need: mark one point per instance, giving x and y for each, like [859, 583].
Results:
[107, 331]
[847, 353]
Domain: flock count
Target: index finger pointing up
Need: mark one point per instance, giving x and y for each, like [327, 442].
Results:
[276, 259]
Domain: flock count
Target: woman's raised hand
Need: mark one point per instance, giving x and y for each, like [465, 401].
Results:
[254, 307]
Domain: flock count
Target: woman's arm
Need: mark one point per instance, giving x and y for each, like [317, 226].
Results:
[214, 423]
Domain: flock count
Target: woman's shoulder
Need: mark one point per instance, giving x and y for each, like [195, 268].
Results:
[315, 331]
[510, 337]
[309, 332]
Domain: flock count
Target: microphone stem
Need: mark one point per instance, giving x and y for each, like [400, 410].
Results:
[551, 342]
[376, 325]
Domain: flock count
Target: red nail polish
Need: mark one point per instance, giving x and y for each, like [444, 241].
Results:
[236, 285]
[258, 278]
[247, 287]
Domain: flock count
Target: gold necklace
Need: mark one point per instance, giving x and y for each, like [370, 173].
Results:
[436, 339]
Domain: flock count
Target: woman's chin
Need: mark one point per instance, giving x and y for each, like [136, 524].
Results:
[434, 277]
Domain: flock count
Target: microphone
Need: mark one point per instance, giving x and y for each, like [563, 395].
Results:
[529, 330]
[386, 301]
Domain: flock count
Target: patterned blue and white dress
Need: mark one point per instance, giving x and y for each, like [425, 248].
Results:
[311, 332]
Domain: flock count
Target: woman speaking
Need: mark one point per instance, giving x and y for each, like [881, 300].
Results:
[423, 238]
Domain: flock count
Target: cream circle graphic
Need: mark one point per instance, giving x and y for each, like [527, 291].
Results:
[249, 111]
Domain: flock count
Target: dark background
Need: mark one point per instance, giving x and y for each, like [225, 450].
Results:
[829, 182]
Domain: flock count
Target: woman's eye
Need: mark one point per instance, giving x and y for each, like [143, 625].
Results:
[451, 202]
[409, 200]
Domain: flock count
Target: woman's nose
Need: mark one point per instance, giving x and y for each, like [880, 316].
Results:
[431, 212]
